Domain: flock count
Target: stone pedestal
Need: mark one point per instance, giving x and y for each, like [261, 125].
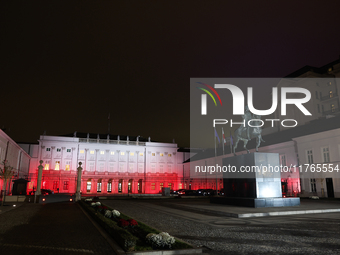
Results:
[253, 180]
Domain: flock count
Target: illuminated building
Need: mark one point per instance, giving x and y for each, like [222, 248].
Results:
[111, 164]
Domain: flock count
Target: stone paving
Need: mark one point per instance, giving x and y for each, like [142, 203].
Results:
[60, 228]
[302, 234]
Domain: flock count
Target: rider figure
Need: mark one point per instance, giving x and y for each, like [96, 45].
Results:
[246, 117]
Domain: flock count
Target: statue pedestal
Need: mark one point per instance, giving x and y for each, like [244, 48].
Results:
[255, 181]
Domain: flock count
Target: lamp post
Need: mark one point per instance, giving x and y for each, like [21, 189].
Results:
[78, 196]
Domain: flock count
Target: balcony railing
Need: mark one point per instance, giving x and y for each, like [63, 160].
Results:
[103, 141]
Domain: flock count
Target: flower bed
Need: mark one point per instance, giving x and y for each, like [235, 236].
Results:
[130, 234]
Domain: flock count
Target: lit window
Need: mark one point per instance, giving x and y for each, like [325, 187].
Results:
[161, 185]
[161, 154]
[141, 154]
[48, 149]
[102, 152]
[132, 154]
[169, 185]
[153, 154]
[109, 187]
[330, 69]
[58, 149]
[99, 186]
[153, 186]
[67, 166]
[47, 165]
[81, 151]
[333, 107]
[330, 94]
[88, 186]
[180, 186]
[91, 152]
[122, 153]
[112, 153]
[120, 184]
[169, 155]
[57, 165]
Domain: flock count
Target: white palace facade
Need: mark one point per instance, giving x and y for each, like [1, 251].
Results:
[111, 165]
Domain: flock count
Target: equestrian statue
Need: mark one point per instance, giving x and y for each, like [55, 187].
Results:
[246, 133]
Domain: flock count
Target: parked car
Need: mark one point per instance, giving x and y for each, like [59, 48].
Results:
[202, 192]
[181, 191]
[211, 192]
[43, 192]
[189, 192]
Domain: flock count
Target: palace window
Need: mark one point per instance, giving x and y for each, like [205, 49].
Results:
[47, 165]
[88, 186]
[161, 185]
[325, 153]
[58, 149]
[91, 152]
[312, 185]
[66, 185]
[120, 184]
[330, 94]
[57, 165]
[48, 149]
[82, 151]
[99, 186]
[333, 107]
[283, 160]
[310, 157]
[101, 152]
[109, 187]
[68, 150]
[153, 186]
[67, 166]
[112, 153]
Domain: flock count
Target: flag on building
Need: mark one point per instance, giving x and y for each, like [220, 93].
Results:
[217, 136]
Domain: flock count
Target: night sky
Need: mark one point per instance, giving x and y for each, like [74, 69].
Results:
[65, 65]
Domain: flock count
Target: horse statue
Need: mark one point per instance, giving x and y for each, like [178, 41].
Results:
[243, 133]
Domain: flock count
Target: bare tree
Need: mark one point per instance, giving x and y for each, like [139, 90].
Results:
[6, 174]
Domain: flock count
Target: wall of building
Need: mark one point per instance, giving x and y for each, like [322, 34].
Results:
[324, 149]
[16, 157]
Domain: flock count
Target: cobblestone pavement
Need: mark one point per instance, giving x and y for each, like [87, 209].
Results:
[302, 234]
[59, 228]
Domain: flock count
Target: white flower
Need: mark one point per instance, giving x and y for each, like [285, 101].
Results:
[108, 214]
[160, 240]
[115, 213]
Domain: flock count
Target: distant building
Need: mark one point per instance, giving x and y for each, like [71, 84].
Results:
[111, 164]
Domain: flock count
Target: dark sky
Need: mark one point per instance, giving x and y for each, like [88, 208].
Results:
[66, 64]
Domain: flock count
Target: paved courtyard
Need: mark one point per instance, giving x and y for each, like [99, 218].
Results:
[59, 228]
[300, 234]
